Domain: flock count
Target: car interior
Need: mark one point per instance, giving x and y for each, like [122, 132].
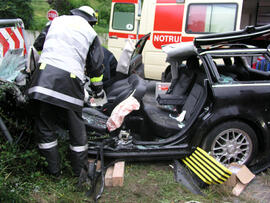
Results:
[162, 114]
[242, 68]
[158, 117]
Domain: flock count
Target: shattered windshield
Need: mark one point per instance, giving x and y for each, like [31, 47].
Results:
[12, 64]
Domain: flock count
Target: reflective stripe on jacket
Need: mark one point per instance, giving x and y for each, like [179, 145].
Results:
[57, 87]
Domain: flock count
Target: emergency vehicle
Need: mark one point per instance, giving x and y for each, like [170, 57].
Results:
[176, 21]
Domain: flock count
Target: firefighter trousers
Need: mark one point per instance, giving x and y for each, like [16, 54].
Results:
[49, 119]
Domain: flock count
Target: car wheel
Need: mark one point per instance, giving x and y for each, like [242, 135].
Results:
[232, 141]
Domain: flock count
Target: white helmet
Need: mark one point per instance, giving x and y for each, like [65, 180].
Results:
[86, 12]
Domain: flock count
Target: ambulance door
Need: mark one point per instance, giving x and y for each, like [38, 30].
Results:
[166, 25]
[123, 24]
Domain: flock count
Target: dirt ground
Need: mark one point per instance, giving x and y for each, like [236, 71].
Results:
[259, 189]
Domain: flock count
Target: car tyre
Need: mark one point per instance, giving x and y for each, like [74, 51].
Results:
[232, 141]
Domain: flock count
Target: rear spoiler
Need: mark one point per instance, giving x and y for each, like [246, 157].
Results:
[243, 36]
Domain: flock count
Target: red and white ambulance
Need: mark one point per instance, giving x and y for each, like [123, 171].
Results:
[176, 21]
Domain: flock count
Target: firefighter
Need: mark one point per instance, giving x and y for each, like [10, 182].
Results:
[39, 41]
[110, 64]
[70, 50]
[109, 61]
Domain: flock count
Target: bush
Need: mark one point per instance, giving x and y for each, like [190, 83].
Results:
[17, 9]
[22, 171]
[18, 161]
[41, 9]
[104, 11]
[63, 7]
[17, 169]
[103, 8]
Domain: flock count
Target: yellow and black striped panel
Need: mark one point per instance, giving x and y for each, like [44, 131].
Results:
[201, 175]
[206, 167]
[225, 171]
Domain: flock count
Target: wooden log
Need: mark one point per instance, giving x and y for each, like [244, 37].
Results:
[118, 174]
[109, 177]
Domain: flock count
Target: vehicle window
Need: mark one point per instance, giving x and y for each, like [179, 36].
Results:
[224, 66]
[123, 16]
[238, 68]
[138, 48]
[140, 45]
[211, 18]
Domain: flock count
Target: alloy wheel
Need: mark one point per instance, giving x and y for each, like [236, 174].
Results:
[232, 145]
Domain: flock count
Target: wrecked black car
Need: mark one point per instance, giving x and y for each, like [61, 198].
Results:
[211, 97]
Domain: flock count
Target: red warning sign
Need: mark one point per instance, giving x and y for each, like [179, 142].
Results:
[52, 14]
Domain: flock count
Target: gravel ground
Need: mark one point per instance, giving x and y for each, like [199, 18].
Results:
[258, 190]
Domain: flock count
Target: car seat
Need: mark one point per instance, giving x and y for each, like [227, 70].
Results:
[180, 88]
[96, 119]
[121, 89]
[164, 123]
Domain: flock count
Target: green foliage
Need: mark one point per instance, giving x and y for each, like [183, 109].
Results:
[15, 160]
[104, 11]
[101, 29]
[39, 23]
[22, 174]
[40, 14]
[63, 7]
[17, 169]
[34, 12]
[17, 9]
[21, 165]
[13, 113]
[102, 7]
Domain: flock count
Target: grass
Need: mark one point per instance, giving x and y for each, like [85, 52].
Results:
[40, 7]
[100, 29]
[151, 182]
[146, 182]
[23, 180]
